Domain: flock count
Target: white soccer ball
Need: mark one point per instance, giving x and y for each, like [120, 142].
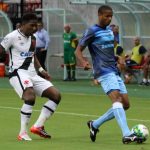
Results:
[141, 131]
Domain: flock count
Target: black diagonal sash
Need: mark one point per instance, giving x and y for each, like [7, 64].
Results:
[28, 60]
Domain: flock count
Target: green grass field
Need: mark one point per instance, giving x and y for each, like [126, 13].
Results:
[81, 101]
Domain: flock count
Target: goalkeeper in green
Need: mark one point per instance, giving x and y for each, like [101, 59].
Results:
[70, 43]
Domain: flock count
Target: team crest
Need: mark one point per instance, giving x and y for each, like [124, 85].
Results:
[26, 82]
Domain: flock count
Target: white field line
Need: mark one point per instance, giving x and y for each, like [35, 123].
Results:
[71, 114]
[84, 94]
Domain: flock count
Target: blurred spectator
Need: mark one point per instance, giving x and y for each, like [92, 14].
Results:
[116, 33]
[135, 59]
[146, 69]
[4, 7]
[119, 52]
[42, 43]
[18, 25]
[70, 43]
[115, 29]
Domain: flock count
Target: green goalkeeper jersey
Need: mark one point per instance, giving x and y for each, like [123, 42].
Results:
[68, 40]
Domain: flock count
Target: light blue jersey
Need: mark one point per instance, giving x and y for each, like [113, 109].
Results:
[100, 42]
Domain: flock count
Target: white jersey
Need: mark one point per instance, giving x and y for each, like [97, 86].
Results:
[21, 51]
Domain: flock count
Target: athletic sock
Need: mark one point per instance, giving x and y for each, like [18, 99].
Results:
[68, 72]
[47, 111]
[25, 113]
[105, 117]
[73, 71]
[120, 116]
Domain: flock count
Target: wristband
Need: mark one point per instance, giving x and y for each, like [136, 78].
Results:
[41, 69]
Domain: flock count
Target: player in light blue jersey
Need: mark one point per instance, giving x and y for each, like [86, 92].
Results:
[100, 40]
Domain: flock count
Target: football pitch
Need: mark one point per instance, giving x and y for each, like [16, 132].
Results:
[81, 101]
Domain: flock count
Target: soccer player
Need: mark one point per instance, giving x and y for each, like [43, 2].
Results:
[24, 79]
[100, 40]
[70, 42]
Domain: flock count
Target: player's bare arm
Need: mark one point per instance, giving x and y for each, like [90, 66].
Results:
[40, 69]
[80, 57]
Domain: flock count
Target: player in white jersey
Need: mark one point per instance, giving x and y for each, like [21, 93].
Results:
[24, 79]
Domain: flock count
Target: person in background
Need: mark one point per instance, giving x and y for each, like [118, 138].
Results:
[135, 59]
[70, 43]
[146, 70]
[100, 40]
[18, 25]
[42, 43]
[119, 53]
[115, 30]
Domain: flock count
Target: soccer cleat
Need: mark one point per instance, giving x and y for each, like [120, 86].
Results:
[40, 131]
[93, 131]
[24, 137]
[132, 138]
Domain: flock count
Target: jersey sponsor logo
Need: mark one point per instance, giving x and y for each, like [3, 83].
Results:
[26, 54]
[65, 41]
[107, 46]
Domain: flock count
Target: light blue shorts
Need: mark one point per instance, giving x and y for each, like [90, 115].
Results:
[111, 82]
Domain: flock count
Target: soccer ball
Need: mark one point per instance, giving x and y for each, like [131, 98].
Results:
[141, 131]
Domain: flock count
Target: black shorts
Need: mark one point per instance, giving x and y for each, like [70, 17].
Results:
[130, 63]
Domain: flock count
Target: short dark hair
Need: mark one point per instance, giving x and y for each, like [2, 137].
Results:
[103, 8]
[28, 17]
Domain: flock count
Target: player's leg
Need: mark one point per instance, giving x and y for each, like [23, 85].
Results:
[113, 87]
[73, 72]
[107, 86]
[49, 91]
[23, 86]
[120, 100]
[73, 65]
[145, 75]
[67, 64]
[95, 124]
[68, 68]
[109, 114]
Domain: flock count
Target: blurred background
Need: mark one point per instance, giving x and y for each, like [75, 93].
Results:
[132, 17]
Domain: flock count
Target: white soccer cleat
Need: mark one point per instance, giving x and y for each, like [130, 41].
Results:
[24, 137]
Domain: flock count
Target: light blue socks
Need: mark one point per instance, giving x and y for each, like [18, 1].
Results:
[106, 117]
[120, 116]
[118, 112]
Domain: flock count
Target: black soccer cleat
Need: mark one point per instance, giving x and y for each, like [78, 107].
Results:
[93, 131]
[132, 138]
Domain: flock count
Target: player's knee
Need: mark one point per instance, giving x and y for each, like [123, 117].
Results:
[53, 94]
[126, 106]
[56, 97]
[29, 102]
[29, 96]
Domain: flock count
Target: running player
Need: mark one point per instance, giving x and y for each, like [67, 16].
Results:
[24, 79]
[100, 40]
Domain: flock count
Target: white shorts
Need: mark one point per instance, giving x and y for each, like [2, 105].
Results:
[23, 80]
